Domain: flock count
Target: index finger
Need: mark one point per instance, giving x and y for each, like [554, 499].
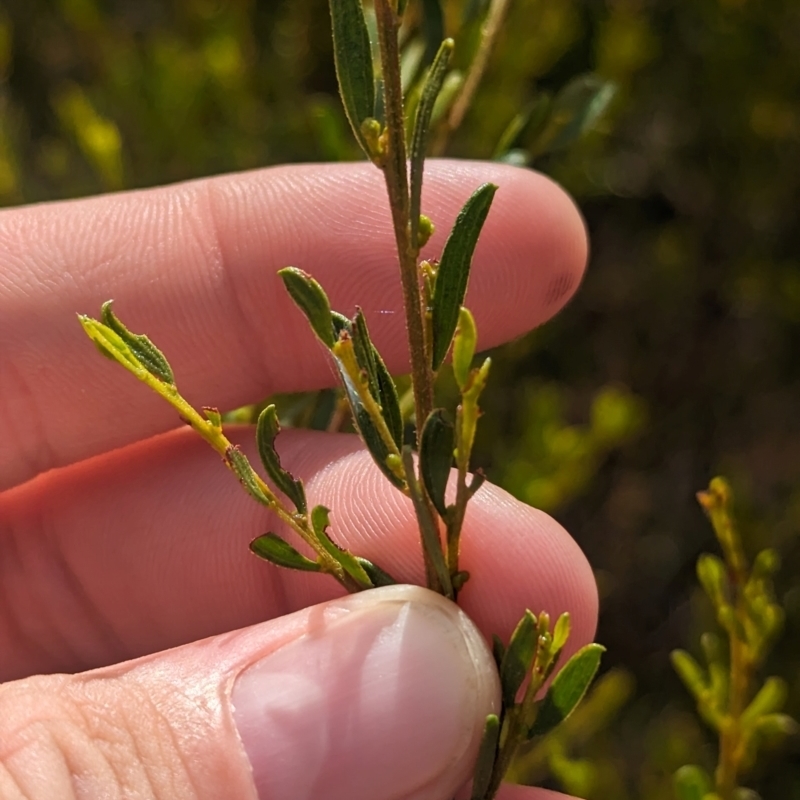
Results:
[194, 266]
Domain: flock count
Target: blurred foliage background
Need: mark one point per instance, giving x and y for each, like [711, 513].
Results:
[676, 361]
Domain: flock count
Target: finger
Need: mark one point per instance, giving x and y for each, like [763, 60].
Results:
[146, 548]
[194, 266]
[378, 696]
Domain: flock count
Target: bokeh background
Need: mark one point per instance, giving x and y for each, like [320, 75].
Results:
[677, 360]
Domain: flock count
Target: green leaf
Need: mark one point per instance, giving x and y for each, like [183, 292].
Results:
[484, 766]
[518, 658]
[365, 351]
[567, 689]
[312, 301]
[713, 575]
[690, 672]
[453, 273]
[238, 462]
[419, 138]
[561, 632]
[378, 576]
[464, 343]
[370, 435]
[436, 456]
[692, 783]
[267, 429]
[381, 385]
[389, 400]
[272, 548]
[148, 355]
[575, 111]
[353, 58]
[320, 519]
[770, 698]
[213, 416]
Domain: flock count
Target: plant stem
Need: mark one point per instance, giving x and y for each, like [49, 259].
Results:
[489, 33]
[396, 175]
[730, 735]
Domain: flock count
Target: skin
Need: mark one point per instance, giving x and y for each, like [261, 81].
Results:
[122, 536]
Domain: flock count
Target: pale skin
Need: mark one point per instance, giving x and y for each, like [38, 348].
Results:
[123, 540]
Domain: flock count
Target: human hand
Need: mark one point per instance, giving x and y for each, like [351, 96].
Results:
[120, 537]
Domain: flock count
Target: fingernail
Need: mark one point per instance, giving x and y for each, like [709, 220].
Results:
[386, 700]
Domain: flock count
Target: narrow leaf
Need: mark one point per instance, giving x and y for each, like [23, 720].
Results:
[567, 689]
[365, 351]
[518, 658]
[371, 436]
[389, 400]
[453, 273]
[311, 300]
[320, 519]
[213, 416]
[464, 343]
[266, 431]
[150, 357]
[240, 466]
[484, 767]
[422, 123]
[692, 783]
[110, 344]
[353, 58]
[436, 456]
[272, 548]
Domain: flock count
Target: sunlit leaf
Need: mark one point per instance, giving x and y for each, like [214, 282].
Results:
[241, 467]
[213, 416]
[567, 689]
[267, 429]
[272, 548]
[464, 343]
[454, 267]
[353, 58]
[436, 456]
[371, 436]
[148, 355]
[311, 300]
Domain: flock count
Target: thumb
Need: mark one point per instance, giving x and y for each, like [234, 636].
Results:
[378, 695]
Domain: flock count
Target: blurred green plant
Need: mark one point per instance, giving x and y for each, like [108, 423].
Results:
[744, 714]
